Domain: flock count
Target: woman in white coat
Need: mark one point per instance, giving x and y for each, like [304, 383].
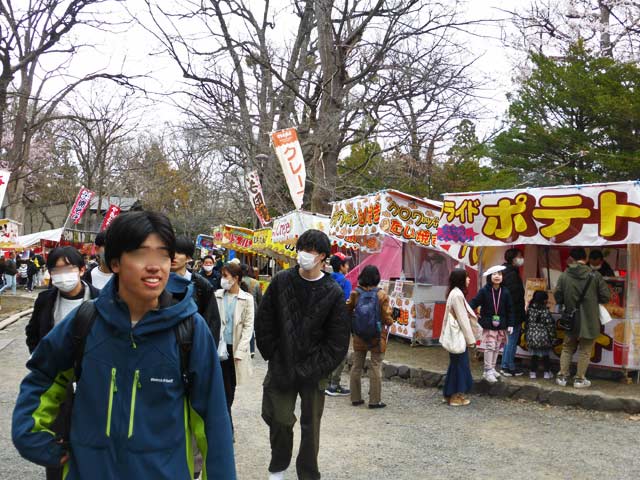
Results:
[236, 327]
[458, 380]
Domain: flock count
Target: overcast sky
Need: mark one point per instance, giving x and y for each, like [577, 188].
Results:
[135, 51]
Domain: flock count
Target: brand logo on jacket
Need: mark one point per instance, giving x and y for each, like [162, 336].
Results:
[161, 380]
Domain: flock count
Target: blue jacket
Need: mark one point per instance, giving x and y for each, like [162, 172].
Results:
[344, 284]
[130, 416]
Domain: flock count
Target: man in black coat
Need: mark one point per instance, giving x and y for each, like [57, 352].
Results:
[511, 281]
[302, 330]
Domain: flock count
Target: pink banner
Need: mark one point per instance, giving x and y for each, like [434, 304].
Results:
[81, 204]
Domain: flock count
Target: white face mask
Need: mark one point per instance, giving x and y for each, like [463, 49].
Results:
[596, 267]
[65, 282]
[518, 262]
[208, 268]
[226, 284]
[307, 261]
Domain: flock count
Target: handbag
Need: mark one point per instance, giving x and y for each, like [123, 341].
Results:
[605, 316]
[451, 338]
[569, 318]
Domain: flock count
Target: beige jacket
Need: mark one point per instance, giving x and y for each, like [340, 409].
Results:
[242, 332]
[458, 307]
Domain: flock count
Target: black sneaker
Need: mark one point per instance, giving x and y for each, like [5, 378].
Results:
[377, 405]
[331, 391]
[517, 372]
[342, 392]
[505, 372]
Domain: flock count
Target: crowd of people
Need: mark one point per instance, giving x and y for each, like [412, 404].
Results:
[164, 342]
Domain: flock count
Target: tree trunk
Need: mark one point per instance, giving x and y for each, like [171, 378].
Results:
[325, 159]
[605, 36]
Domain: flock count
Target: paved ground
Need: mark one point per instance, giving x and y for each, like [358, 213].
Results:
[415, 437]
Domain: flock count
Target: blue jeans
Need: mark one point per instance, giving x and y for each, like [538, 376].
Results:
[9, 282]
[509, 353]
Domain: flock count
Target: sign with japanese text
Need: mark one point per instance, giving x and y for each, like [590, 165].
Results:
[392, 213]
[254, 189]
[9, 232]
[80, 205]
[289, 227]
[110, 216]
[234, 238]
[4, 181]
[602, 214]
[289, 153]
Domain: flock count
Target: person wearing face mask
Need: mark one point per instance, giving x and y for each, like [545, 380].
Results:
[98, 276]
[65, 265]
[236, 306]
[599, 264]
[210, 273]
[302, 330]
[513, 261]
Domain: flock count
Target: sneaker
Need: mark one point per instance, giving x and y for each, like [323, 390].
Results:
[505, 372]
[495, 373]
[489, 377]
[342, 392]
[562, 381]
[548, 375]
[331, 391]
[533, 375]
[377, 405]
[581, 383]
[277, 475]
[357, 403]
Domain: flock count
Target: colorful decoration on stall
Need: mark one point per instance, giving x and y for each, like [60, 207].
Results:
[80, 205]
[389, 212]
[263, 244]
[289, 153]
[599, 214]
[9, 232]
[254, 189]
[233, 238]
[112, 212]
[287, 228]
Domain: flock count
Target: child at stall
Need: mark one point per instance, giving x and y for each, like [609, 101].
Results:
[496, 319]
[540, 332]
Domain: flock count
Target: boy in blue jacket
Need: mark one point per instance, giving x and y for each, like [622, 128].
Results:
[132, 417]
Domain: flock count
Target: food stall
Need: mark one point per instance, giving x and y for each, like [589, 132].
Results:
[234, 239]
[545, 223]
[398, 233]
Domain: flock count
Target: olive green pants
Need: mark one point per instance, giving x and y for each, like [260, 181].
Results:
[278, 408]
[569, 346]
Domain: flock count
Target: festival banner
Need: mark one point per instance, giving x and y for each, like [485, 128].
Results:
[289, 153]
[599, 214]
[4, 181]
[254, 189]
[392, 213]
[287, 228]
[112, 212]
[80, 205]
[234, 238]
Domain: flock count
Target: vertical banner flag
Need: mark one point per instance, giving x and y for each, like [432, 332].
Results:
[81, 204]
[287, 147]
[110, 216]
[254, 189]
[4, 181]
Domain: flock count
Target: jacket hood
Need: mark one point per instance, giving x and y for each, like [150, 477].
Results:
[176, 303]
[578, 271]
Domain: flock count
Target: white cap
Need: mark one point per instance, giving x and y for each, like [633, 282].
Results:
[494, 269]
[235, 260]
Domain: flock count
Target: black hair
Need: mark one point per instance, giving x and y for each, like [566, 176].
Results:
[337, 263]
[129, 230]
[369, 276]
[209, 257]
[70, 255]
[245, 269]
[314, 240]
[458, 279]
[185, 246]
[596, 255]
[235, 270]
[100, 240]
[510, 254]
[539, 297]
[578, 253]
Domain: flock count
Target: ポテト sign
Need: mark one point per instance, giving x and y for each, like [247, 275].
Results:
[600, 214]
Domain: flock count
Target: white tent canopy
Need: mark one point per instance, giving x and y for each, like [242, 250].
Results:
[33, 238]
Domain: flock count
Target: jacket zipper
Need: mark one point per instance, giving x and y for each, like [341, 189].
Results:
[112, 390]
[134, 390]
